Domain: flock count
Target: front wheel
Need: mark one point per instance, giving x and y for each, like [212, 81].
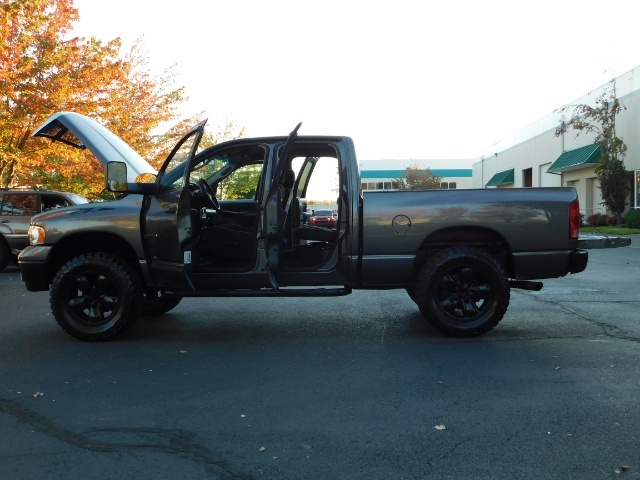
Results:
[93, 296]
[5, 254]
[463, 291]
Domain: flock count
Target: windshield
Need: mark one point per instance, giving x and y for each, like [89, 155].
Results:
[77, 199]
[210, 167]
[179, 158]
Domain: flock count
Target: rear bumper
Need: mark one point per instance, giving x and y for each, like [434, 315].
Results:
[539, 265]
[578, 261]
[602, 241]
[33, 267]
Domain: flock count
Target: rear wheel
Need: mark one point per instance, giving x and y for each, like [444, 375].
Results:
[93, 297]
[463, 291]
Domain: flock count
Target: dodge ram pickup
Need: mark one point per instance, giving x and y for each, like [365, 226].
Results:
[232, 220]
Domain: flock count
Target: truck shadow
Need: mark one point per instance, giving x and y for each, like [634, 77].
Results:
[12, 268]
[246, 327]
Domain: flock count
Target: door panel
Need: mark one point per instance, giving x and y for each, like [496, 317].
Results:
[167, 217]
[167, 236]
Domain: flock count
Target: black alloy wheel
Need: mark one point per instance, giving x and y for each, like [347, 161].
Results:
[463, 291]
[94, 296]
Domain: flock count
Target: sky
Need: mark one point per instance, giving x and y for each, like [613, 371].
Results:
[406, 79]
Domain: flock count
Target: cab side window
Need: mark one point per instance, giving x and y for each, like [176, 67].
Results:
[49, 202]
[19, 204]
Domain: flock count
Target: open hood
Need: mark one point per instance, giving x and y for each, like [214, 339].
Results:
[83, 132]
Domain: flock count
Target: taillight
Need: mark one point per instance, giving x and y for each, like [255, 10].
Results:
[574, 220]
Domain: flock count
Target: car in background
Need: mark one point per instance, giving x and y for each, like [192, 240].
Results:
[322, 218]
[17, 206]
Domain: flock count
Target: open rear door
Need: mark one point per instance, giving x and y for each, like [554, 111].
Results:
[273, 214]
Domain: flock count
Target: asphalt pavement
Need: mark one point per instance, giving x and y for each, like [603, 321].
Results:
[355, 387]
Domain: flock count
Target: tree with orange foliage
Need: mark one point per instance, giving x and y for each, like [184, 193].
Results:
[42, 71]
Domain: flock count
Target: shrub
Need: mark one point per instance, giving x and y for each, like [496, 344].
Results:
[597, 220]
[632, 218]
[611, 220]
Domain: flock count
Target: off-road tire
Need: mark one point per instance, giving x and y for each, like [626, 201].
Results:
[94, 296]
[463, 291]
[411, 291]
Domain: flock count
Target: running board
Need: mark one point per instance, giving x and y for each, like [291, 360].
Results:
[267, 292]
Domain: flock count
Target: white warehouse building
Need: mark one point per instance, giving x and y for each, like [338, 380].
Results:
[381, 174]
[536, 157]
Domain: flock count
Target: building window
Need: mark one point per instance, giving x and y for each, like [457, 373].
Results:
[447, 185]
[385, 185]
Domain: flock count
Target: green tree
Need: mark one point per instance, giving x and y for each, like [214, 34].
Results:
[418, 179]
[601, 121]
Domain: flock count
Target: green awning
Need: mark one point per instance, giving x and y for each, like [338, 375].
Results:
[582, 157]
[501, 178]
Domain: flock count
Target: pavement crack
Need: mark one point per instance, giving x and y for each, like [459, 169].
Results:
[609, 329]
[123, 440]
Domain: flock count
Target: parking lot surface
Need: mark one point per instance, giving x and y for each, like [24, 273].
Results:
[355, 387]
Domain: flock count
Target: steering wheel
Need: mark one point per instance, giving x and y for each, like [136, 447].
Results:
[209, 193]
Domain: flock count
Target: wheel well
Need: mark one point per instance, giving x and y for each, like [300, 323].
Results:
[478, 237]
[4, 242]
[74, 245]
[5, 248]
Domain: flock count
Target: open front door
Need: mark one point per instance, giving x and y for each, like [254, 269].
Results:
[167, 217]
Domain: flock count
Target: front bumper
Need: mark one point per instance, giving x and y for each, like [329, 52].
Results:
[33, 267]
[16, 241]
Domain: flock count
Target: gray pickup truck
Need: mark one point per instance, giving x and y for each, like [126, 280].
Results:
[231, 220]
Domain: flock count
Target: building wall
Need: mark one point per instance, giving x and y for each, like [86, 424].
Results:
[536, 147]
[455, 173]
